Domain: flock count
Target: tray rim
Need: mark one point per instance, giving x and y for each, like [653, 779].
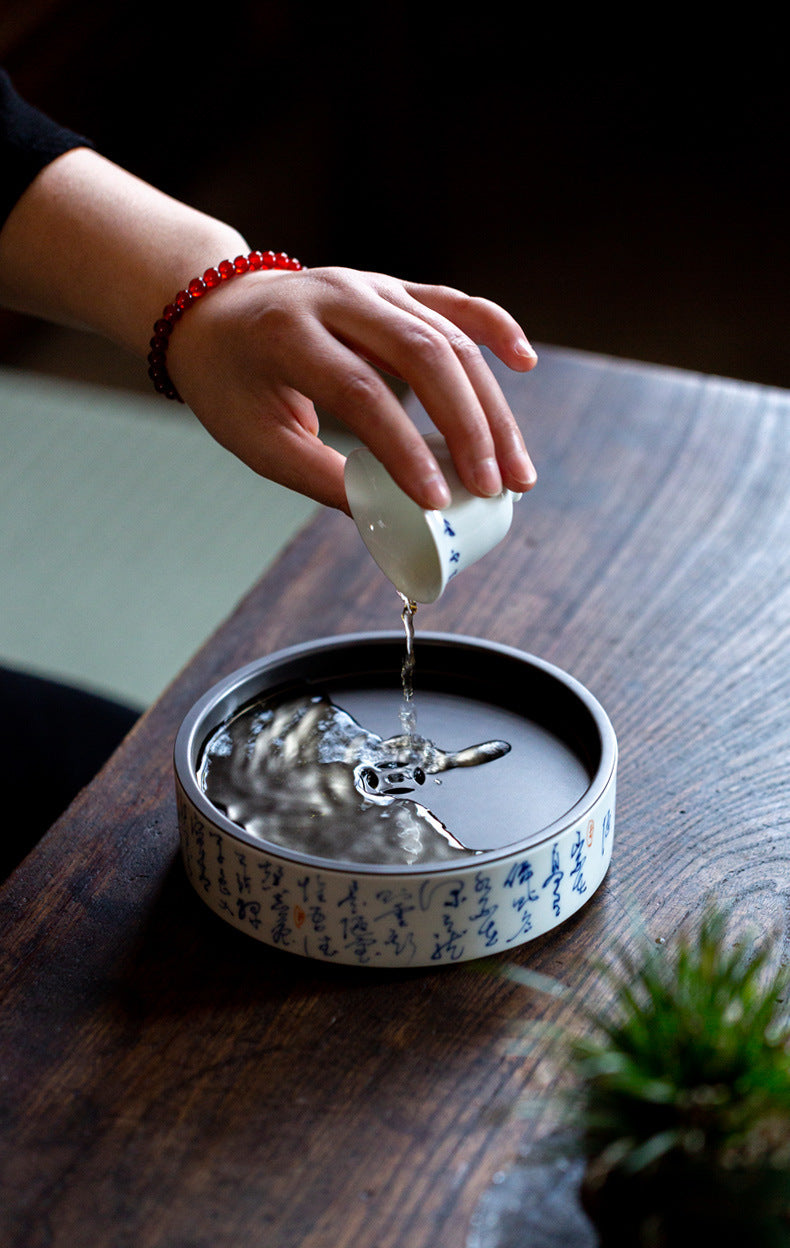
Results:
[184, 750]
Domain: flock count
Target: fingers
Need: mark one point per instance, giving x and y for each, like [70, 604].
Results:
[279, 440]
[511, 465]
[447, 372]
[342, 383]
[302, 462]
[485, 322]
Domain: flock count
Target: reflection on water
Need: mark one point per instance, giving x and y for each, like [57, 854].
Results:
[306, 775]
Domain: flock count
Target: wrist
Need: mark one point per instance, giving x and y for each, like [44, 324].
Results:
[195, 292]
[173, 268]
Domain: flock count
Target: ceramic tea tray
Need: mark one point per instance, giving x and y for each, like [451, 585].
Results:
[536, 824]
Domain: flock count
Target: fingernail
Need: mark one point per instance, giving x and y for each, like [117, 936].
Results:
[487, 477]
[525, 349]
[524, 470]
[517, 464]
[435, 492]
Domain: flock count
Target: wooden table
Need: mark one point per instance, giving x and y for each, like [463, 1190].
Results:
[166, 1082]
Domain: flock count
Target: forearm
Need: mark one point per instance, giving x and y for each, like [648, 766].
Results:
[90, 245]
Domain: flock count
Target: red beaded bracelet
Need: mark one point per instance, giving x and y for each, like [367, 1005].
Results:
[199, 286]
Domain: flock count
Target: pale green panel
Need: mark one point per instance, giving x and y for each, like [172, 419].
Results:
[126, 534]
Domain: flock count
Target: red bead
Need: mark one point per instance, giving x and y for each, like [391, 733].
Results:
[183, 299]
[268, 259]
[212, 278]
[172, 313]
[197, 287]
[256, 260]
[225, 269]
[162, 327]
[241, 264]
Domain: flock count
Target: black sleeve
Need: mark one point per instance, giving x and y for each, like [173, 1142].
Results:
[29, 140]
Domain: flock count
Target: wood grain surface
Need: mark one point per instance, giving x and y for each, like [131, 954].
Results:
[166, 1082]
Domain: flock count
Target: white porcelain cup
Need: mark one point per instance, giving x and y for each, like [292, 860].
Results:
[421, 551]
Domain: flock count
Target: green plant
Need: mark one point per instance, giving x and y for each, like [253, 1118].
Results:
[683, 1095]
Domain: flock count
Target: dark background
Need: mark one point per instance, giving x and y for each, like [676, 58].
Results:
[619, 184]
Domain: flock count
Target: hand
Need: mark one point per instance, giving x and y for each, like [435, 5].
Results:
[254, 357]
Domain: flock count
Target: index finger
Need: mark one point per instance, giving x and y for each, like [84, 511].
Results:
[484, 321]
